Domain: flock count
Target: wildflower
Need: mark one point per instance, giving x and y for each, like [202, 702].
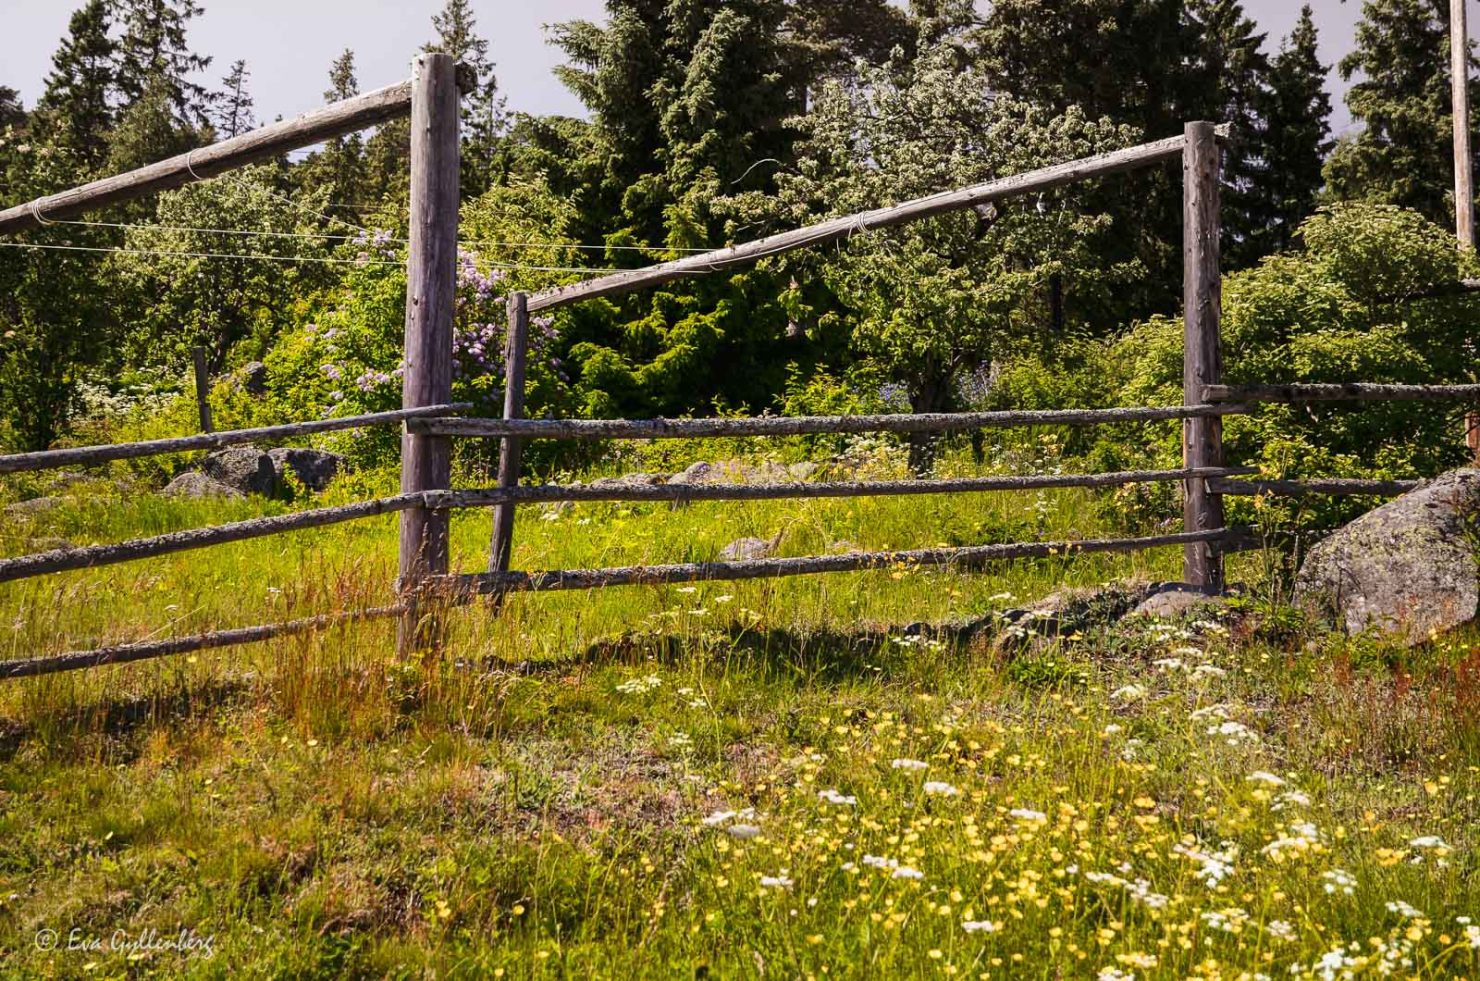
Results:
[1214, 867]
[1027, 814]
[981, 926]
[1111, 729]
[775, 882]
[1404, 910]
[744, 832]
[1114, 974]
[937, 788]
[1128, 693]
[1280, 930]
[640, 686]
[1338, 880]
[833, 797]
[880, 862]
[911, 765]
[1290, 798]
[906, 872]
[1264, 776]
[1430, 841]
[1208, 671]
[1227, 920]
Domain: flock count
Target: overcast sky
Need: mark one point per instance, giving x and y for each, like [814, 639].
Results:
[288, 44]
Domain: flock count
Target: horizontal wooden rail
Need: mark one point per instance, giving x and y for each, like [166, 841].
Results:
[1350, 391]
[924, 422]
[554, 493]
[1319, 485]
[86, 455]
[962, 558]
[266, 143]
[92, 556]
[1033, 181]
[126, 653]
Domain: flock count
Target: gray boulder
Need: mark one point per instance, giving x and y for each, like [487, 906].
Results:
[629, 480]
[698, 473]
[35, 506]
[252, 378]
[315, 469]
[750, 548]
[195, 485]
[1409, 569]
[1175, 601]
[245, 469]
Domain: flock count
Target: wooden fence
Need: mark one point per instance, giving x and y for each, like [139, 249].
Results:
[430, 421]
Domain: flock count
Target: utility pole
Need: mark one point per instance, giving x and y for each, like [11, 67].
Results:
[1459, 74]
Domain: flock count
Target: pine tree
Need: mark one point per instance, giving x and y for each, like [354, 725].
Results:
[233, 104]
[483, 116]
[154, 51]
[74, 110]
[1402, 155]
[148, 130]
[341, 164]
[1231, 73]
[1297, 136]
[12, 110]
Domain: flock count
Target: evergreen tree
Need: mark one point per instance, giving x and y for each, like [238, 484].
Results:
[1297, 137]
[148, 130]
[1402, 155]
[340, 166]
[483, 119]
[12, 110]
[74, 109]
[233, 103]
[153, 51]
[1230, 72]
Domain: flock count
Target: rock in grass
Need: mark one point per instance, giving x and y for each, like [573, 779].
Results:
[196, 485]
[1175, 601]
[1409, 570]
[315, 469]
[31, 508]
[245, 469]
[750, 548]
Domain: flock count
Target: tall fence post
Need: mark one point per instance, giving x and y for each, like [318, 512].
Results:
[1202, 359]
[202, 387]
[431, 286]
[516, 348]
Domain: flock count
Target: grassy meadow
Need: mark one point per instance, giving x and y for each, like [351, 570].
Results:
[760, 779]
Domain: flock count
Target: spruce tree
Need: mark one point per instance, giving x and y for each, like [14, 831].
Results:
[12, 110]
[154, 51]
[341, 164]
[483, 119]
[1230, 74]
[1297, 137]
[233, 104]
[1402, 155]
[74, 110]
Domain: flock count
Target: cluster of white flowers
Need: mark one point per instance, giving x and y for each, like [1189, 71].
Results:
[776, 882]
[1028, 814]
[1139, 890]
[937, 788]
[1300, 838]
[833, 797]
[981, 926]
[1280, 930]
[1338, 880]
[1229, 920]
[1213, 866]
[911, 765]
[640, 686]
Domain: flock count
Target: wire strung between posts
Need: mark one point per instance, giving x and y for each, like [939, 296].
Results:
[330, 237]
[286, 258]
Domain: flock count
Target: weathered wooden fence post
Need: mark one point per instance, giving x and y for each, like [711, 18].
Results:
[431, 286]
[516, 348]
[1202, 359]
[202, 386]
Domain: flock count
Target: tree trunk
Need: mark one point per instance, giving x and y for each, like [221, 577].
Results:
[933, 394]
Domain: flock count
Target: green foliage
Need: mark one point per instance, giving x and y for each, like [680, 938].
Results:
[1401, 97]
[1343, 308]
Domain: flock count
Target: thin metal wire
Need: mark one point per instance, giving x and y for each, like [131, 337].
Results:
[327, 236]
[285, 258]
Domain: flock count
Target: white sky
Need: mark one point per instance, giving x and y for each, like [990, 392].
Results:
[288, 44]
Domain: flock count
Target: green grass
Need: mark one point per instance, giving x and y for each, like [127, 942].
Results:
[533, 801]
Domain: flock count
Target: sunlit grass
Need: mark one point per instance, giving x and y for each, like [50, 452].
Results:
[672, 781]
